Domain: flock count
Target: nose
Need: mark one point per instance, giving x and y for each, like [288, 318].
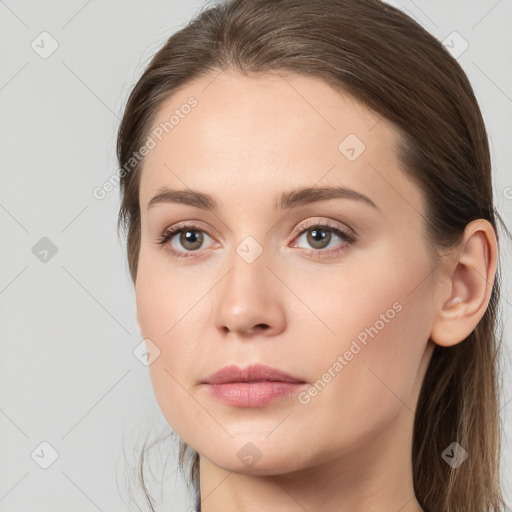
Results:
[249, 300]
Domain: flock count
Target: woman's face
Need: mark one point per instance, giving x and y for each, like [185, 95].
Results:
[265, 278]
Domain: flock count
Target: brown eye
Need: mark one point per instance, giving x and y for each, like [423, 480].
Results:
[319, 238]
[191, 239]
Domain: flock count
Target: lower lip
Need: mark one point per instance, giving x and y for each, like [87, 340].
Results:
[252, 394]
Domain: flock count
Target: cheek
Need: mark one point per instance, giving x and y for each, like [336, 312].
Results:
[171, 308]
[166, 297]
[366, 371]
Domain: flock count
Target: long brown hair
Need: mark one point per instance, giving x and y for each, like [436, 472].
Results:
[390, 63]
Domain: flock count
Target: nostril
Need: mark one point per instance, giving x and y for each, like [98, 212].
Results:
[257, 327]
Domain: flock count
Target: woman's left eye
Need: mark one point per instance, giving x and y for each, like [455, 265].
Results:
[319, 236]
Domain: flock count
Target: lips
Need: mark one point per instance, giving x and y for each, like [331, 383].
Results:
[255, 386]
[253, 373]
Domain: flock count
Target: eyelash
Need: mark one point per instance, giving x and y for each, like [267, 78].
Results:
[302, 228]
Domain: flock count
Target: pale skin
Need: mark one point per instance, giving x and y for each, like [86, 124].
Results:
[297, 306]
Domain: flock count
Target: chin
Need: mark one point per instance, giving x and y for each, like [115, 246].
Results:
[253, 454]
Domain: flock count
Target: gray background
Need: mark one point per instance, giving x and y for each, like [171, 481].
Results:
[68, 374]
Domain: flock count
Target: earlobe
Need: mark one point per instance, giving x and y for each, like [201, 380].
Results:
[471, 278]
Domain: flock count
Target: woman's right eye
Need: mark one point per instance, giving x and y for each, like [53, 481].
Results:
[191, 238]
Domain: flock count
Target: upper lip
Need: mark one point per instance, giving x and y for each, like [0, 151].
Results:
[252, 373]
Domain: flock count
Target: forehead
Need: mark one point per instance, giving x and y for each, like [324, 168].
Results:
[259, 133]
[263, 114]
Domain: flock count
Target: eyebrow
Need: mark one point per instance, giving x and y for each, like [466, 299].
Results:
[285, 201]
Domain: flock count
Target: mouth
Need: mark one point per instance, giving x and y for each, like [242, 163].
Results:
[254, 386]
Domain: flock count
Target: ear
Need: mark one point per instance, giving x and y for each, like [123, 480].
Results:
[471, 277]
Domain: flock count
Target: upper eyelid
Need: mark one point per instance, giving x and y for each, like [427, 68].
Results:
[197, 225]
[325, 223]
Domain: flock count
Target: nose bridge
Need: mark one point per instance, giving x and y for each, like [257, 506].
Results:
[248, 298]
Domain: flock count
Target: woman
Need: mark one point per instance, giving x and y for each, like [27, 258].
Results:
[307, 196]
